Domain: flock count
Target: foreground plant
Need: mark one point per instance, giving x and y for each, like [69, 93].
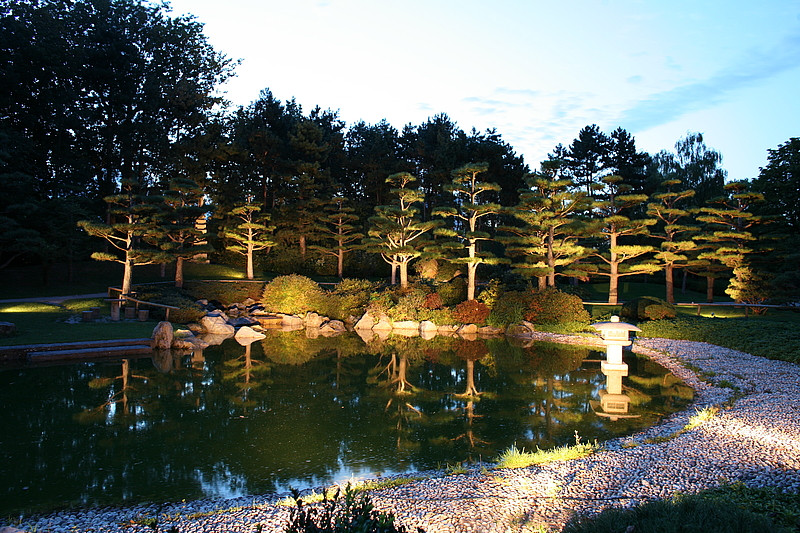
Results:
[351, 512]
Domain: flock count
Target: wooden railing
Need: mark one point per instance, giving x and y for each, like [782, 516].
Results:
[128, 298]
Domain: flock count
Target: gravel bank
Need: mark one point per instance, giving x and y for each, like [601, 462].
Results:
[755, 439]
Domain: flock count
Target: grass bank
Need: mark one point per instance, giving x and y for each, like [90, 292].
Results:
[39, 323]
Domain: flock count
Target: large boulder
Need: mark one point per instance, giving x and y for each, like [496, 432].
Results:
[247, 335]
[366, 322]
[291, 321]
[523, 329]
[384, 324]
[332, 328]
[313, 320]
[242, 321]
[489, 331]
[163, 335]
[217, 325]
[406, 325]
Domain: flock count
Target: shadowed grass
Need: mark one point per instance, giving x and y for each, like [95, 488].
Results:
[727, 509]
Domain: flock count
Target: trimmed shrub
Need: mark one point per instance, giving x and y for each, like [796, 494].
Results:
[509, 308]
[350, 297]
[648, 308]
[471, 312]
[407, 303]
[552, 306]
[452, 292]
[292, 294]
[226, 292]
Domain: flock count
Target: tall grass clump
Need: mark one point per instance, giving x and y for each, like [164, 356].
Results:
[516, 458]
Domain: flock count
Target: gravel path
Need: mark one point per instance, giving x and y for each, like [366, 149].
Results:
[754, 439]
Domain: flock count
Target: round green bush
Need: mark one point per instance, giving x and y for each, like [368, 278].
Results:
[453, 292]
[552, 306]
[292, 294]
[648, 308]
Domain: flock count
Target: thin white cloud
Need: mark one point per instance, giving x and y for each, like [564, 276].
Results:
[663, 107]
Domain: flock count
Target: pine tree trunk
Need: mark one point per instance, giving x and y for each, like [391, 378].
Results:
[302, 245]
[127, 274]
[471, 279]
[710, 289]
[403, 274]
[340, 262]
[542, 282]
[249, 261]
[472, 269]
[551, 261]
[613, 278]
[179, 272]
[668, 271]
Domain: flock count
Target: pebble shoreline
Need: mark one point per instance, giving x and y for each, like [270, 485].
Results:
[754, 439]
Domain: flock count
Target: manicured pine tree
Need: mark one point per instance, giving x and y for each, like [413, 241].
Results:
[728, 240]
[176, 231]
[336, 227]
[548, 238]
[396, 231]
[617, 259]
[131, 217]
[466, 233]
[676, 245]
[247, 232]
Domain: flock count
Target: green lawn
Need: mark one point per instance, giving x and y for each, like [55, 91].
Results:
[45, 323]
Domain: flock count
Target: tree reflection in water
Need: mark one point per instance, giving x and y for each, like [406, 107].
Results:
[300, 411]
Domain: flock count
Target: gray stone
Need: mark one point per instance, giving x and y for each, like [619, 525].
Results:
[384, 324]
[366, 322]
[490, 330]
[163, 335]
[291, 320]
[246, 332]
[313, 320]
[217, 325]
[406, 325]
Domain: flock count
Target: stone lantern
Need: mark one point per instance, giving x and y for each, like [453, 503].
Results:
[615, 335]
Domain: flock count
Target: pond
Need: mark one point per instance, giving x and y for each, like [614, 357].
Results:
[293, 411]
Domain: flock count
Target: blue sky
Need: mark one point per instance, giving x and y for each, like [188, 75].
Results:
[536, 71]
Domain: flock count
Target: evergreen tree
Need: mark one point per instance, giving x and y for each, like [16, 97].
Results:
[176, 231]
[675, 244]
[396, 231]
[586, 158]
[616, 258]
[728, 239]
[132, 218]
[246, 232]
[548, 237]
[466, 232]
[336, 227]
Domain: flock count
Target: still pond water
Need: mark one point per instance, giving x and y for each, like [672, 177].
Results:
[292, 411]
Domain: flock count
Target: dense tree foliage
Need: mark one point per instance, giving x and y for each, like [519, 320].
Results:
[107, 100]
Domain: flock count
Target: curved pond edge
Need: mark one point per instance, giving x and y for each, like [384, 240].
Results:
[754, 439]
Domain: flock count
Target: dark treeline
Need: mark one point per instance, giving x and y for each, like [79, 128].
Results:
[110, 114]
